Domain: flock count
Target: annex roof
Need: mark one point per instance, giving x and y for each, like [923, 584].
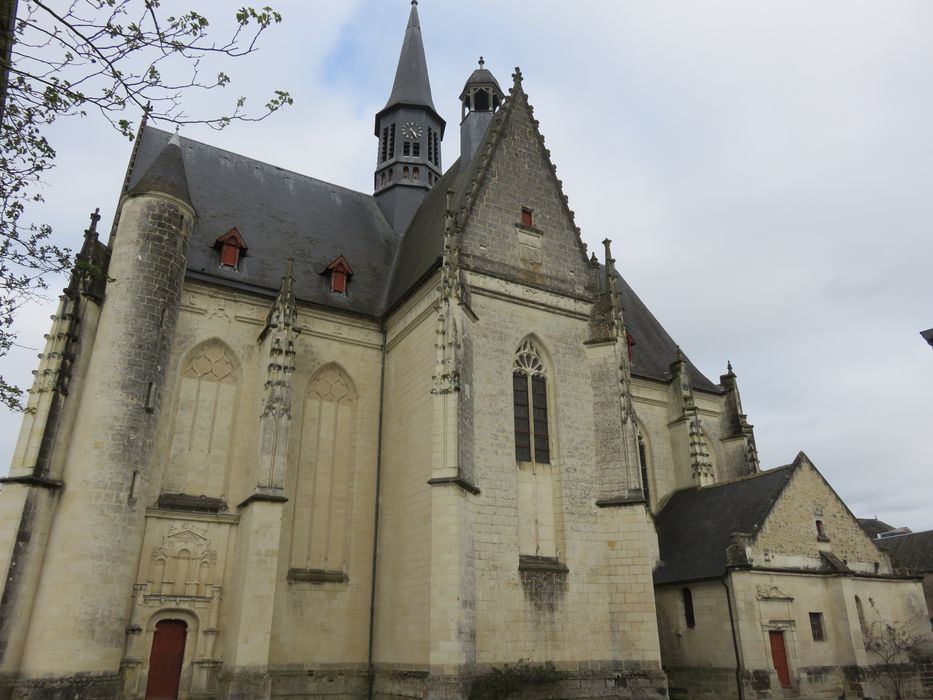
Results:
[913, 550]
[696, 526]
[873, 527]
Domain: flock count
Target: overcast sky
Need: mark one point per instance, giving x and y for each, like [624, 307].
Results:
[765, 171]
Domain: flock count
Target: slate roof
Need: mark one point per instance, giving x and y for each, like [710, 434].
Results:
[282, 214]
[873, 527]
[166, 174]
[654, 349]
[914, 550]
[481, 76]
[696, 525]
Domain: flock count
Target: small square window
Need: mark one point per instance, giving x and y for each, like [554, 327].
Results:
[816, 627]
[406, 148]
[527, 217]
[416, 150]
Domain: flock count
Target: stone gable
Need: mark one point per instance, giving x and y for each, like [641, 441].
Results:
[519, 227]
[789, 537]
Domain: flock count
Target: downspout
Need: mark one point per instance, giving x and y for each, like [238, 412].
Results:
[371, 671]
[735, 642]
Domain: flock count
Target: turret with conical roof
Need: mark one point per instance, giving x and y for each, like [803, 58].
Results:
[112, 455]
[410, 130]
[166, 175]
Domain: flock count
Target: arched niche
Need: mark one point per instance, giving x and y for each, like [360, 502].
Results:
[204, 422]
[321, 508]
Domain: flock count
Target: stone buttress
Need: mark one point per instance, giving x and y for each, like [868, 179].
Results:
[35, 479]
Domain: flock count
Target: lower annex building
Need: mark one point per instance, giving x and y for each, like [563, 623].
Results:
[293, 440]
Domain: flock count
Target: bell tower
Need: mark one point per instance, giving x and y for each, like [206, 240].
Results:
[410, 130]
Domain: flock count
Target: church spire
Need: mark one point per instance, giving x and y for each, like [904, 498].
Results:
[412, 86]
[408, 161]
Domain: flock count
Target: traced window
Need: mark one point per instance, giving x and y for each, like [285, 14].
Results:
[529, 389]
[688, 608]
[321, 515]
[537, 479]
[816, 627]
[204, 422]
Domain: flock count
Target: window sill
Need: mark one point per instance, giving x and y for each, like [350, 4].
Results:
[530, 229]
[192, 504]
[316, 576]
[536, 564]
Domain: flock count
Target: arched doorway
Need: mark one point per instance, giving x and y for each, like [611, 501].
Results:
[165, 660]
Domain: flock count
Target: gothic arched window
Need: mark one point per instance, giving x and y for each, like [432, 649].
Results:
[529, 391]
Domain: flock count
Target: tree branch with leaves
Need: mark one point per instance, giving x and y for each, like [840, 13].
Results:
[109, 59]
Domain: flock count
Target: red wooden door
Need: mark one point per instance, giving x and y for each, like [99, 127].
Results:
[165, 660]
[779, 657]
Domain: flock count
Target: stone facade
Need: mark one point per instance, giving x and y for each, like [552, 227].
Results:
[438, 484]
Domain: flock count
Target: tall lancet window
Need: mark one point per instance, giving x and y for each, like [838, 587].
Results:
[536, 483]
[529, 389]
[325, 467]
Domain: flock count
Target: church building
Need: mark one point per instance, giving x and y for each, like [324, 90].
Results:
[287, 439]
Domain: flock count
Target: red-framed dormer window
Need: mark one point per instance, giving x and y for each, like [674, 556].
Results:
[340, 273]
[232, 247]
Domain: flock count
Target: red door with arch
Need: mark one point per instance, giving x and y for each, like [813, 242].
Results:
[165, 660]
[779, 657]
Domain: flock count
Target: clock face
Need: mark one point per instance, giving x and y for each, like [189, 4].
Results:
[412, 131]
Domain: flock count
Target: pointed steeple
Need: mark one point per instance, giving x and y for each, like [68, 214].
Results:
[410, 131]
[166, 175]
[412, 86]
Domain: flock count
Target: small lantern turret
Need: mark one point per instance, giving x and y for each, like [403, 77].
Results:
[480, 100]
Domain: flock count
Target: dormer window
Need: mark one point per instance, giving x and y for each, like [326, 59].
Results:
[232, 247]
[340, 273]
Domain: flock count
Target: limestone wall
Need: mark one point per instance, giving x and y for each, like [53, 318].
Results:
[602, 608]
[403, 568]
